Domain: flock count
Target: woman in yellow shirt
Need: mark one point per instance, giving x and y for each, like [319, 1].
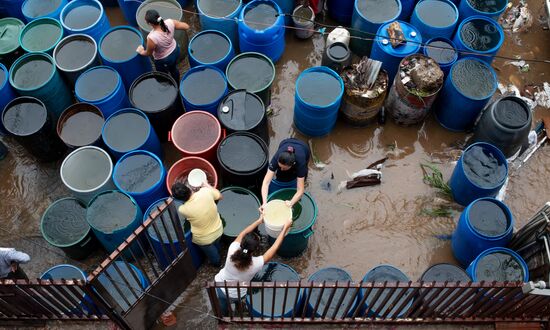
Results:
[201, 211]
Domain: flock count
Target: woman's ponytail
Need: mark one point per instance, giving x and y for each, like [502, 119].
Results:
[153, 17]
[242, 258]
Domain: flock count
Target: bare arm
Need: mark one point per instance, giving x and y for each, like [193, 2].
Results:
[146, 52]
[180, 25]
[299, 192]
[249, 229]
[270, 253]
[265, 185]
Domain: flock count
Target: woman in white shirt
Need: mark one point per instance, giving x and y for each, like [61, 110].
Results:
[241, 265]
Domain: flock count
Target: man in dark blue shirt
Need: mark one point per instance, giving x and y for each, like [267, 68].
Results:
[288, 164]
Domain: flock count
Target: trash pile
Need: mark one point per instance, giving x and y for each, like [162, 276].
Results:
[421, 75]
[517, 18]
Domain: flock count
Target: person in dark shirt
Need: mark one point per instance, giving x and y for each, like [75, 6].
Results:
[288, 164]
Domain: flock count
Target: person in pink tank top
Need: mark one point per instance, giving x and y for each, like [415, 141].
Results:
[161, 43]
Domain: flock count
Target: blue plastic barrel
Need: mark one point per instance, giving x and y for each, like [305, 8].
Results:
[12, 8]
[276, 185]
[435, 18]
[117, 49]
[479, 37]
[86, 17]
[202, 88]
[129, 9]
[384, 273]
[331, 274]
[141, 175]
[113, 216]
[261, 29]
[367, 18]
[467, 89]
[10, 48]
[407, 8]
[472, 177]
[33, 9]
[287, 7]
[6, 93]
[498, 264]
[485, 223]
[41, 35]
[317, 99]
[128, 130]
[211, 47]
[132, 282]
[491, 9]
[390, 57]
[443, 51]
[70, 272]
[74, 55]
[221, 15]
[102, 86]
[163, 244]
[341, 10]
[36, 75]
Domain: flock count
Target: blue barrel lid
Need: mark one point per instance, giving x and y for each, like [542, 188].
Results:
[262, 15]
[320, 86]
[118, 45]
[64, 271]
[43, 69]
[118, 139]
[209, 47]
[203, 85]
[111, 211]
[39, 8]
[439, 52]
[428, 11]
[64, 222]
[97, 84]
[445, 272]
[80, 9]
[138, 172]
[412, 37]
[219, 8]
[499, 264]
[238, 208]
[493, 151]
[489, 217]
[392, 10]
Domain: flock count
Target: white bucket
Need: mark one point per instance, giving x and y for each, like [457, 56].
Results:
[87, 171]
[338, 35]
[276, 213]
[308, 25]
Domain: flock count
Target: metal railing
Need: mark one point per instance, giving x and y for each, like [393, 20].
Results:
[350, 302]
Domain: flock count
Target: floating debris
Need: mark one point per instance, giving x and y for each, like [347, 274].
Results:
[521, 65]
[517, 18]
[434, 178]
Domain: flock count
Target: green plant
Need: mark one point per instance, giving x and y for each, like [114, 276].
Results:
[434, 178]
[438, 212]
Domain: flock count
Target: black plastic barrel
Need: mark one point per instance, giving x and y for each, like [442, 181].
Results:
[337, 56]
[238, 208]
[505, 124]
[156, 94]
[242, 111]
[243, 159]
[28, 120]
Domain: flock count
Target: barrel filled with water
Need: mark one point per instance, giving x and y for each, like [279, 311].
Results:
[397, 298]
[33, 9]
[86, 172]
[317, 98]
[443, 51]
[124, 283]
[500, 265]
[202, 88]
[480, 37]
[505, 124]
[181, 169]
[238, 208]
[253, 72]
[103, 87]
[480, 172]
[220, 15]
[32, 126]
[197, 133]
[492, 9]
[141, 175]
[469, 86]
[292, 300]
[340, 298]
[156, 94]
[163, 245]
[10, 48]
[6, 93]
[341, 10]
[262, 29]
[129, 9]
[484, 224]
[85, 17]
[117, 49]
[127, 130]
[74, 55]
[211, 47]
[113, 216]
[243, 159]
[337, 56]
[64, 226]
[80, 125]
[35, 75]
[242, 111]
[435, 18]
[383, 51]
[368, 16]
[41, 35]
[441, 273]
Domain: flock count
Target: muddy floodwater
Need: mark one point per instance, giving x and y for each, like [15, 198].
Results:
[356, 229]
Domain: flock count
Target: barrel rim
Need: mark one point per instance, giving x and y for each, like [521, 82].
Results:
[248, 93]
[141, 7]
[503, 207]
[486, 19]
[21, 27]
[145, 75]
[442, 263]
[242, 189]
[18, 100]
[519, 259]
[74, 3]
[315, 209]
[251, 54]
[68, 39]
[524, 105]
[400, 9]
[437, 28]
[16, 64]
[276, 25]
[254, 137]
[66, 114]
[103, 183]
[190, 158]
[118, 112]
[381, 35]
[46, 237]
[84, 277]
[490, 14]
[6, 79]
[147, 215]
[447, 40]
[136, 208]
[326, 70]
[33, 24]
[202, 68]
[498, 153]
[119, 27]
[311, 18]
[330, 268]
[383, 265]
[24, 10]
[195, 113]
[158, 183]
[495, 78]
[105, 98]
[229, 50]
[232, 14]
